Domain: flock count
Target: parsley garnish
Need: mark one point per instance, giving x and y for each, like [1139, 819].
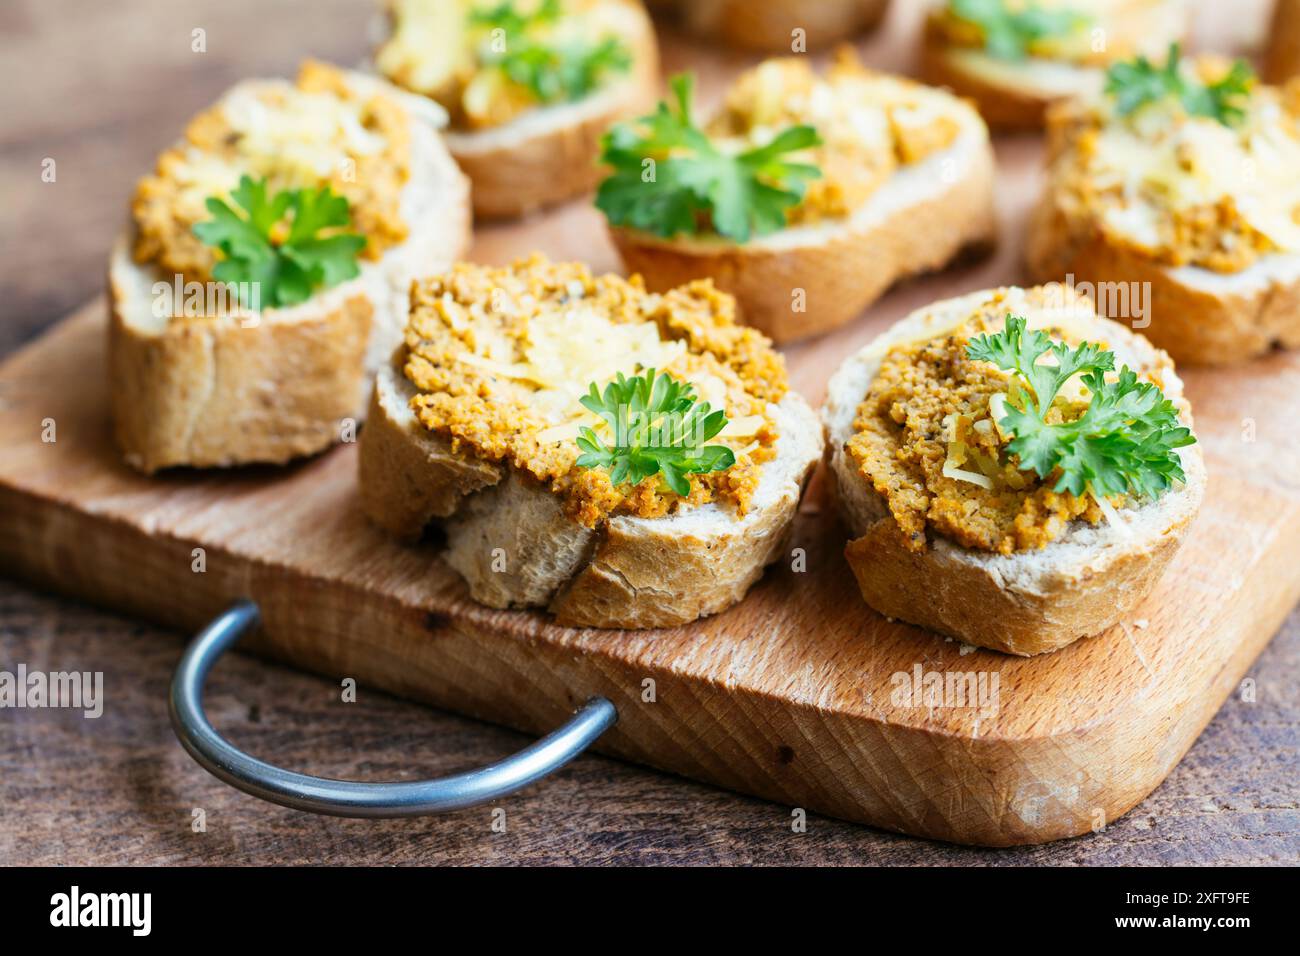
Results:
[284, 271]
[657, 426]
[1122, 444]
[1009, 34]
[1139, 82]
[692, 185]
[562, 69]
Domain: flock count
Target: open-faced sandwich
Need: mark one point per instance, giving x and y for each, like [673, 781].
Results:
[621, 458]
[778, 26]
[1178, 189]
[529, 85]
[806, 196]
[1283, 57]
[1015, 58]
[1016, 471]
[264, 274]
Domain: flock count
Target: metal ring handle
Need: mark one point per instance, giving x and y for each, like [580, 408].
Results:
[348, 798]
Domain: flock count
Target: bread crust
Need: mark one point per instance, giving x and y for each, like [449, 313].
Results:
[1196, 324]
[1025, 603]
[1006, 108]
[408, 475]
[767, 27]
[938, 591]
[211, 392]
[528, 165]
[511, 542]
[1283, 58]
[841, 274]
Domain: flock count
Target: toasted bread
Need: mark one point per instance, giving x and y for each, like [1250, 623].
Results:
[1199, 315]
[1030, 601]
[1015, 95]
[806, 279]
[511, 538]
[217, 390]
[548, 154]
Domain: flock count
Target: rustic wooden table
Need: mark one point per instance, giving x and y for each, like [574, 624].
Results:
[100, 88]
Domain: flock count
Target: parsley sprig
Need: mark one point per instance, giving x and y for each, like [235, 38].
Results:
[691, 186]
[556, 69]
[284, 271]
[1009, 33]
[1122, 444]
[1139, 82]
[657, 426]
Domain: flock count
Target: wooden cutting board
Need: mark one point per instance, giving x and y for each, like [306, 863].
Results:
[792, 695]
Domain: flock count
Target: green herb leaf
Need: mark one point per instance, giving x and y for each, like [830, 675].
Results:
[506, 16]
[1139, 82]
[670, 179]
[1009, 33]
[1122, 444]
[288, 272]
[553, 69]
[657, 427]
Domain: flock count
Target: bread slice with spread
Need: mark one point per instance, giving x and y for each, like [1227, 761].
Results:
[806, 196]
[529, 85]
[263, 277]
[1007, 484]
[780, 26]
[620, 458]
[1015, 58]
[1179, 185]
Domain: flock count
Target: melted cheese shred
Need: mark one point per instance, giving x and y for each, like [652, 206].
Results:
[564, 351]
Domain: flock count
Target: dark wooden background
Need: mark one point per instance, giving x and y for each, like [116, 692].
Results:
[100, 86]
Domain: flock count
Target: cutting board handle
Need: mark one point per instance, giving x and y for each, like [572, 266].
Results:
[348, 798]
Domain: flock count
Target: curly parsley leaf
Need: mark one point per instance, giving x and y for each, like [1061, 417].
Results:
[507, 17]
[670, 179]
[657, 427]
[1137, 83]
[1124, 443]
[1009, 33]
[554, 69]
[283, 271]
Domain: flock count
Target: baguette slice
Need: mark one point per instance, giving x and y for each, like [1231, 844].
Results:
[1028, 602]
[1014, 96]
[628, 572]
[1199, 316]
[215, 391]
[920, 220]
[549, 154]
[767, 26]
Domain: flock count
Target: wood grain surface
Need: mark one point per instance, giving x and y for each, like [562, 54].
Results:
[49, 819]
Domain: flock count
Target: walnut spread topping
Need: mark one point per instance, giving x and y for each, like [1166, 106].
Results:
[319, 131]
[871, 124]
[928, 442]
[501, 357]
